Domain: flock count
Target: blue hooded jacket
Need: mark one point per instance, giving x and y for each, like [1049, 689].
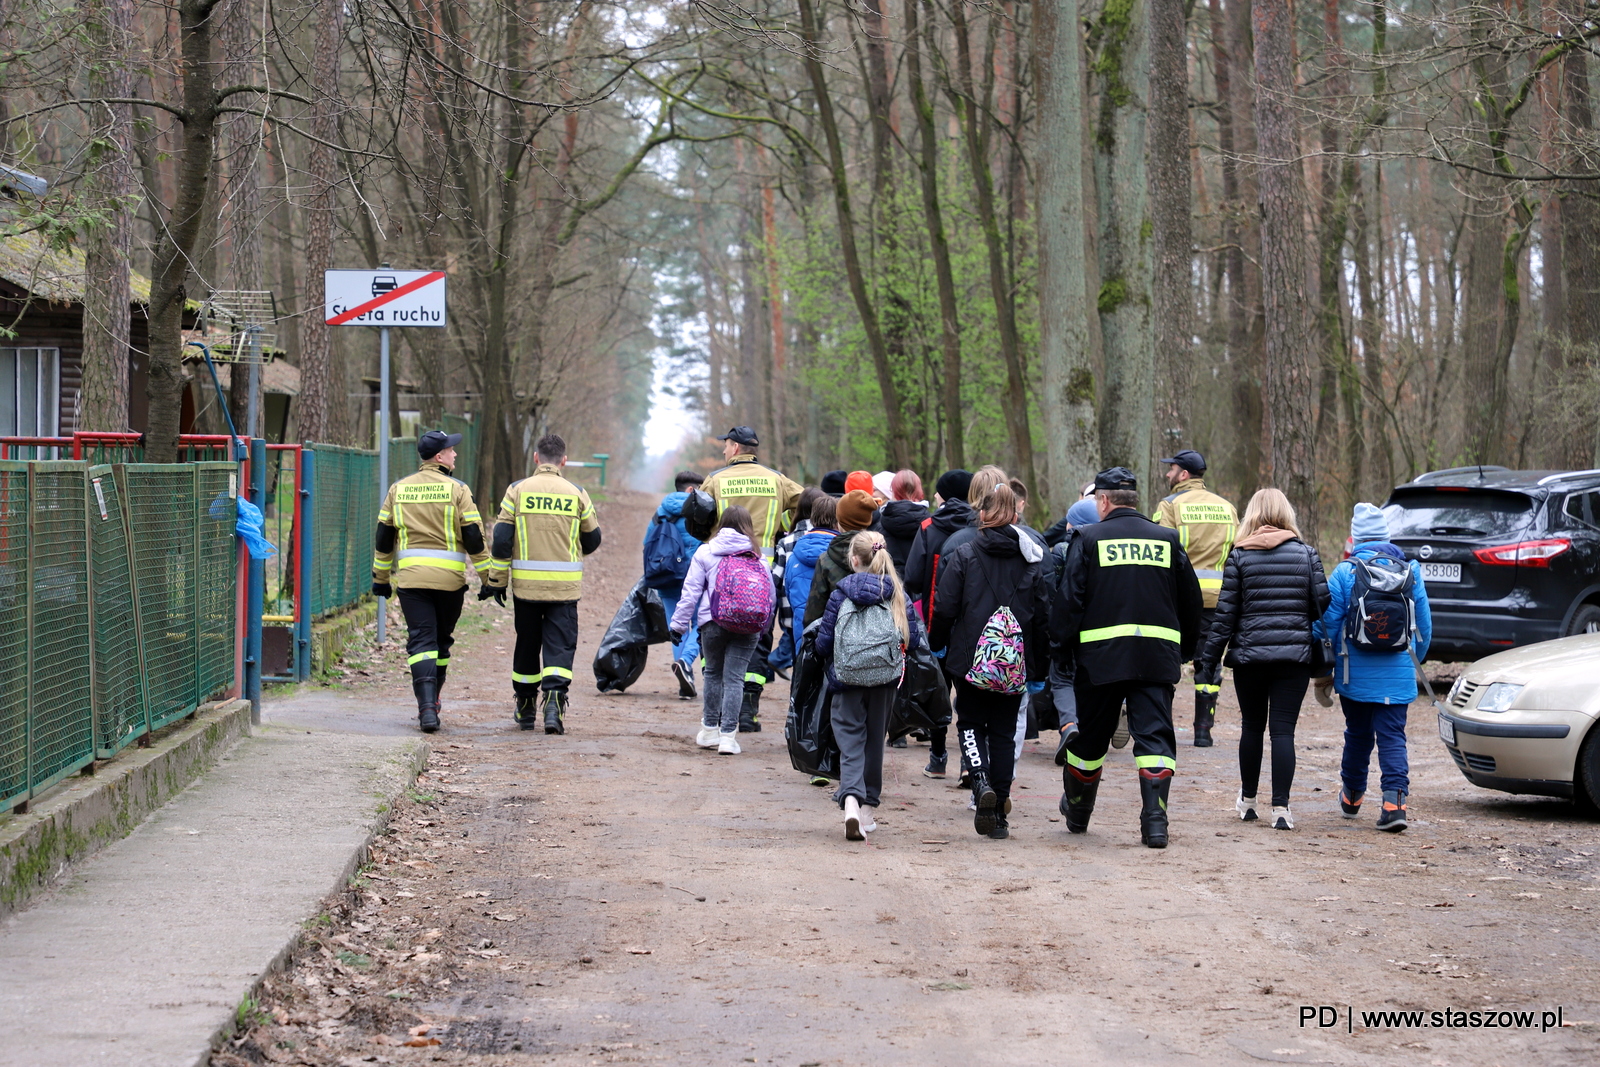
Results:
[671, 509]
[1373, 677]
[800, 570]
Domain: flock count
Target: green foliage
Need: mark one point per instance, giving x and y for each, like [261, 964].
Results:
[1113, 294]
[1107, 38]
[249, 1013]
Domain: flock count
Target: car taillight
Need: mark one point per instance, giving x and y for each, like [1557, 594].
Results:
[1524, 553]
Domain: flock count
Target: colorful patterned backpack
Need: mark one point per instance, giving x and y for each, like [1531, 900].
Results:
[999, 663]
[742, 598]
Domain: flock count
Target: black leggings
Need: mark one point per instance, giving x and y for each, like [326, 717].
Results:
[1270, 695]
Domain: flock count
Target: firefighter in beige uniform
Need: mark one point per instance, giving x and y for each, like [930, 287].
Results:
[1206, 525]
[429, 527]
[771, 499]
[545, 527]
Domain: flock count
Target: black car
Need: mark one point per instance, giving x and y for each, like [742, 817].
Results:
[1509, 557]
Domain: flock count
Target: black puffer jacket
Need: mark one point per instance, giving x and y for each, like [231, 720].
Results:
[901, 521]
[994, 569]
[1272, 588]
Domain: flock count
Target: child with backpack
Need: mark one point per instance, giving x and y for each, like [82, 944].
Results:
[728, 594]
[989, 623]
[1380, 625]
[866, 631]
[668, 548]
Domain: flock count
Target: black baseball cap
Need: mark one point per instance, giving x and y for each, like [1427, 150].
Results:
[1116, 478]
[1189, 460]
[433, 442]
[743, 435]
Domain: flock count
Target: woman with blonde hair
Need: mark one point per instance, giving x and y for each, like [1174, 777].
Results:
[1273, 589]
[867, 629]
[989, 623]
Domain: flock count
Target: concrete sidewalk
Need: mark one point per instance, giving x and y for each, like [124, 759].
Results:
[143, 954]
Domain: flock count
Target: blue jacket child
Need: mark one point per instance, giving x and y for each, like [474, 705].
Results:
[688, 649]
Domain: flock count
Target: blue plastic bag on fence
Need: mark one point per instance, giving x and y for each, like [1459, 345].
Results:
[249, 526]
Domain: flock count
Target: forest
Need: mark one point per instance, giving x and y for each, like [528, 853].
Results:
[1330, 245]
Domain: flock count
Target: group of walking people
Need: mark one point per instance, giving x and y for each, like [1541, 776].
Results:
[1087, 626]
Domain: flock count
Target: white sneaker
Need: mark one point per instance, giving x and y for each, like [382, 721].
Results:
[1119, 736]
[727, 745]
[707, 737]
[1246, 807]
[1281, 819]
[868, 823]
[852, 820]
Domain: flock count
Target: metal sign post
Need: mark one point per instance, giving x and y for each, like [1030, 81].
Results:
[384, 298]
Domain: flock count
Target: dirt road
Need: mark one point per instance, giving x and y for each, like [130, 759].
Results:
[618, 895]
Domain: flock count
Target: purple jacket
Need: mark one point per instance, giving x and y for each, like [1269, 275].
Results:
[694, 604]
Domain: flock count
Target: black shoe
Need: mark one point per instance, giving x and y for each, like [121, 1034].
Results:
[685, 675]
[899, 742]
[1153, 788]
[1077, 798]
[527, 713]
[555, 712]
[1002, 829]
[750, 712]
[936, 766]
[983, 795]
[1069, 734]
[1350, 805]
[1205, 717]
[1393, 815]
[427, 691]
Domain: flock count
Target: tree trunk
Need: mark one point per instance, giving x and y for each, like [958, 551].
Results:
[899, 446]
[1068, 278]
[1120, 39]
[1290, 340]
[1000, 289]
[241, 154]
[1172, 236]
[318, 386]
[938, 240]
[175, 249]
[108, 293]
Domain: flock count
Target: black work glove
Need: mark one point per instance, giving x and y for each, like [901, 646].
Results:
[382, 589]
[676, 635]
[487, 591]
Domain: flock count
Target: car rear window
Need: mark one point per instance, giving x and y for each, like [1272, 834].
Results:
[1458, 513]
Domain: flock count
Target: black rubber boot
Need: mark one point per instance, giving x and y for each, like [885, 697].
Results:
[438, 683]
[750, 712]
[555, 712]
[1205, 717]
[983, 794]
[1077, 801]
[527, 713]
[427, 703]
[1153, 788]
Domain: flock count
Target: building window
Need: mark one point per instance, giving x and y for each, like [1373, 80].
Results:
[30, 392]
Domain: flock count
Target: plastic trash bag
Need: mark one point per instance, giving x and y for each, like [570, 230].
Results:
[640, 622]
[809, 727]
[923, 702]
[250, 526]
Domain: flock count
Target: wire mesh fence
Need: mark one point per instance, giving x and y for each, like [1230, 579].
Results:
[344, 514]
[118, 594]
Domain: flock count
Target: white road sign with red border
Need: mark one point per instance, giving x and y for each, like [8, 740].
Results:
[384, 297]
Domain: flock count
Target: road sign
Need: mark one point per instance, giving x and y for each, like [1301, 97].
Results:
[384, 297]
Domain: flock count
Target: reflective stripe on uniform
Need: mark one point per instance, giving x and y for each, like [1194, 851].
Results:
[525, 679]
[1209, 579]
[1085, 765]
[558, 672]
[1168, 762]
[1198, 688]
[444, 661]
[548, 672]
[498, 564]
[382, 564]
[420, 656]
[759, 679]
[1131, 629]
[431, 557]
[548, 570]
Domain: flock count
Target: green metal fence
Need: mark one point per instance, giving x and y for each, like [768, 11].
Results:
[117, 608]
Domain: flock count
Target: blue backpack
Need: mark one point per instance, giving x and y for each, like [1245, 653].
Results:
[666, 564]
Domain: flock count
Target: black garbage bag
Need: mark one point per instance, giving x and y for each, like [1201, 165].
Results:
[640, 622]
[809, 728]
[923, 702]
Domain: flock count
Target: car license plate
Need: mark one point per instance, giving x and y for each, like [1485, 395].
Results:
[1441, 572]
[1447, 731]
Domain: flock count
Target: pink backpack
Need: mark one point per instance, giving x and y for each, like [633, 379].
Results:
[742, 599]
